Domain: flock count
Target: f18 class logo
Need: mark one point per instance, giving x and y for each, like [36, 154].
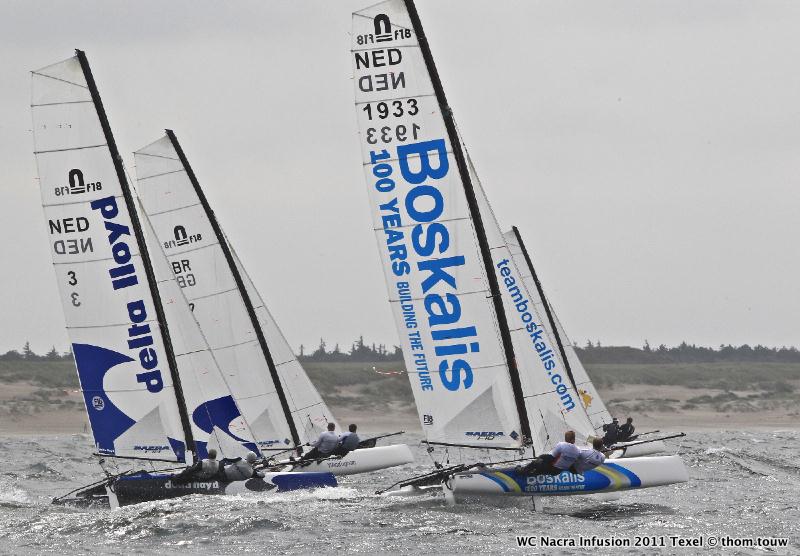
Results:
[383, 28]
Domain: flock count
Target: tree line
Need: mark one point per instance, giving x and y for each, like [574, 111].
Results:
[591, 352]
[686, 353]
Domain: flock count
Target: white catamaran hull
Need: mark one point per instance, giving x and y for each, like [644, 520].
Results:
[626, 474]
[362, 460]
[639, 450]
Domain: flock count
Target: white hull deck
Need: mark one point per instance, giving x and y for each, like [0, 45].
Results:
[362, 460]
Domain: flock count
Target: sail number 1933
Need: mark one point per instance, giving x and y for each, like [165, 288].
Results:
[387, 134]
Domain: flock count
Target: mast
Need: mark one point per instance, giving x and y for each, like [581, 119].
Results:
[237, 277]
[480, 231]
[550, 317]
[146, 262]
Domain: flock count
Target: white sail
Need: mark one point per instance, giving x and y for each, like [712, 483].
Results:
[587, 393]
[119, 348]
[435, 273]
[550, 399]
[217, 421]
[310, 413]
[202, 270]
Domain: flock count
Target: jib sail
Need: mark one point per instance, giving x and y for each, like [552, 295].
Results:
[550, 399]
[587, 393]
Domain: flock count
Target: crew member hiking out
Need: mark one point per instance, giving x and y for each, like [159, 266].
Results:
[323, 446]
[560, 458]
[589, 458]
[240, 469]
[205, 469]
[348, 442]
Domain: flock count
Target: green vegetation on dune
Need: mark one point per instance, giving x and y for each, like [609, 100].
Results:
[717, 376]
[381, 384]
[47, 374]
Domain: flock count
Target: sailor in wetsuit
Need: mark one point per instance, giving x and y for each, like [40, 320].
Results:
[612, 433]
[626, 431]
[240, 469]
[560, 458]
[205, 469]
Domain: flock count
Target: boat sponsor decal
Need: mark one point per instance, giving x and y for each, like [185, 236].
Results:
[452, 340]
[337, 464]
[609, 476]
[151, 449]
[536, 332]
[586, 398]
[192, 485]
[123, 275]
[483, 435]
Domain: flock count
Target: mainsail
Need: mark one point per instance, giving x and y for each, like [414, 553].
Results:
[112, 309]
[268, 383]
[442, 288]
[151, 392]
[590, 400]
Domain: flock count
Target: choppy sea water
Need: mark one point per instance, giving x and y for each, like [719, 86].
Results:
[742, 484]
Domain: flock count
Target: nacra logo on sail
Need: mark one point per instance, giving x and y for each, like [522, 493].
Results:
[425, 204]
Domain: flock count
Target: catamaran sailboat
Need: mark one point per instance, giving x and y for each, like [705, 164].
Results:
[267, 380]
[484, 369]
[153, 390]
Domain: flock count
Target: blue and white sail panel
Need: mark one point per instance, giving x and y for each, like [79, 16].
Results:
[434, 271]
[108, 308]
[201, 270]
[550, 400]
[310, 413]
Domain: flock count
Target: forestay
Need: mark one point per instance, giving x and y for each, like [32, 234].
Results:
[426, 232]
[120, 346]
[550, 399]
[587, 393]
[199, 262]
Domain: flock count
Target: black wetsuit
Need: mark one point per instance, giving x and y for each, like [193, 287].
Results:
[612, 434]
[626, 432]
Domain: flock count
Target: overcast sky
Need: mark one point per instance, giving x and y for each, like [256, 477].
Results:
[661, 138]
